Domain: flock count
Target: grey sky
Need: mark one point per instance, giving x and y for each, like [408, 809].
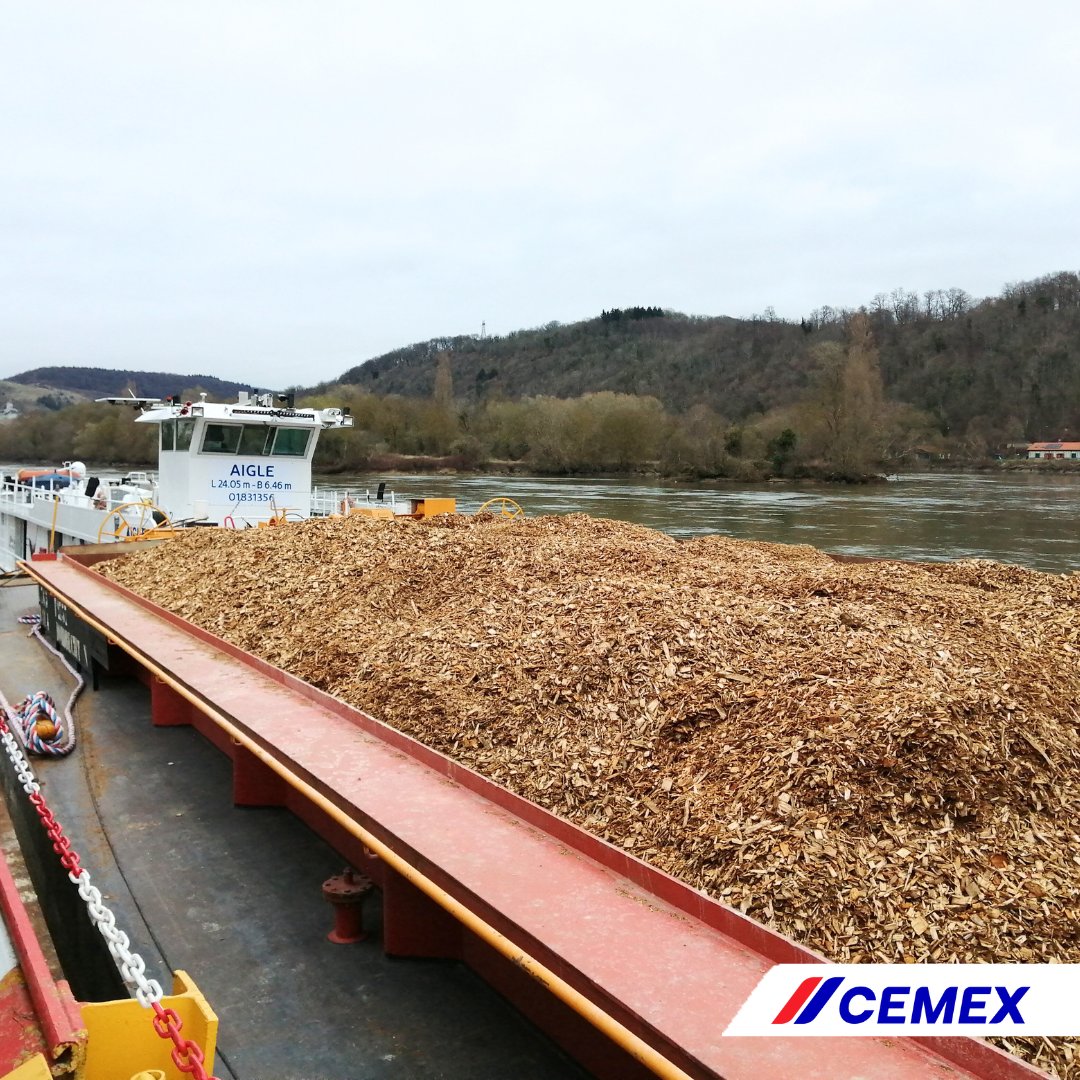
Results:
[275, 191]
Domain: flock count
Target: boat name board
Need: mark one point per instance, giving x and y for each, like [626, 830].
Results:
[242, 482]
[70, 634]
[252, 470]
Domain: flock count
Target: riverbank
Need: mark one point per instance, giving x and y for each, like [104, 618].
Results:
[453, 465]
[744, 471]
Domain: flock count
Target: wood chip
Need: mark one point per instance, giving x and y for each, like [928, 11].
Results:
[879, 759]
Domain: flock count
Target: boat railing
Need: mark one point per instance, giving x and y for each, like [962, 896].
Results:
[15, 492]
[326, 501]
[18, 493]
[322, 502]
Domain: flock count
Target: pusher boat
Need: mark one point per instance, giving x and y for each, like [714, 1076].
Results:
[232, 465]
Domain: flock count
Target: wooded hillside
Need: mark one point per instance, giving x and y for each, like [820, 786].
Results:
[102, 382]
[1003, 368]
[28, 396]
[838, 395]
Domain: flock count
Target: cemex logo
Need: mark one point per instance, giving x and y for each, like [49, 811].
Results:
[906, 999]
[900, 1004]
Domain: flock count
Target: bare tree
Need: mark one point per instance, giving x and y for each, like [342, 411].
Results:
[444, 381]
[850, 400]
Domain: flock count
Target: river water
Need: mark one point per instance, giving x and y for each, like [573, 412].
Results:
[1026, 518]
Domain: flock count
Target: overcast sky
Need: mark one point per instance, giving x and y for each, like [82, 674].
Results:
[275, 191]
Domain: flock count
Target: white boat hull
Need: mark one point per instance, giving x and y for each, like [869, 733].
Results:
[32, 522]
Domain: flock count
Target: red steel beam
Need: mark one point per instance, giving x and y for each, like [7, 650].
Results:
[37, 1012]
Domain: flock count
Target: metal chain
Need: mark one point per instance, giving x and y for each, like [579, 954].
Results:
[132, 967]
[186, 1054]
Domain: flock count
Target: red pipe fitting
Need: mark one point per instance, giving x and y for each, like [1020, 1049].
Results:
[346, 892]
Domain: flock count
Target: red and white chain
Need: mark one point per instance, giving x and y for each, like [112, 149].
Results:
[187, 1055]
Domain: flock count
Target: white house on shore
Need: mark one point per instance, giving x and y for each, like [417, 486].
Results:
[8, 412]
[1053, 451]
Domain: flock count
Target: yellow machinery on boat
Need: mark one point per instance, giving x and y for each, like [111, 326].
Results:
[418, 509]
[415, 508]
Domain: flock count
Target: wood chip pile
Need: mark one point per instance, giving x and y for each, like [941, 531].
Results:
[881, 760]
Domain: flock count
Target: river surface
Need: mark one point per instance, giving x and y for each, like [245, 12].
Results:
[1025, 518]
[1028, 518]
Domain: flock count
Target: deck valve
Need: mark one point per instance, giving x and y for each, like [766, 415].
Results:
[346, 892]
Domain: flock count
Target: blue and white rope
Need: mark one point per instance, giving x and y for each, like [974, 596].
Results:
[24, 716]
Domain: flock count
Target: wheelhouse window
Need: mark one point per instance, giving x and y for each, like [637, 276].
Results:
[256, 439]
[248, 439]
[168, 434]
[184, 430]
[221, 438]
[291, 442]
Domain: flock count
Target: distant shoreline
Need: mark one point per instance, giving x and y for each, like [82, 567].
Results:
[400, 465]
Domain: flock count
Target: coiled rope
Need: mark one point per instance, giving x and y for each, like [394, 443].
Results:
[35, 719]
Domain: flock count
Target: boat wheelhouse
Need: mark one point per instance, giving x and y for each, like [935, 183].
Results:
[239, 464]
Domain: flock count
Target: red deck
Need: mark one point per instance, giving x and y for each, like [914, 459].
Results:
[664, 962]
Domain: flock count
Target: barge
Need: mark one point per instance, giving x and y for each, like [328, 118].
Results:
[307, 863]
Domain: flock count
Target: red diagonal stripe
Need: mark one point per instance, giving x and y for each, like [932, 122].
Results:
[797, 1000]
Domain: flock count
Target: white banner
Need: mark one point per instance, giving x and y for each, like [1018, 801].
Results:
[913, 999]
